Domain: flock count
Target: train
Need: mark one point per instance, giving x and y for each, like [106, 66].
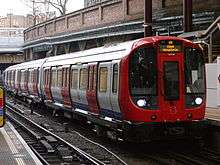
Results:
[2, 107]
[146, 89]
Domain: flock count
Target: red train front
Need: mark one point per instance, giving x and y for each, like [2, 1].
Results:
[163, 86]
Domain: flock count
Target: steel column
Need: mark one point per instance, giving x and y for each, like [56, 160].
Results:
[147, 18]
[210, 49]
[187, 15]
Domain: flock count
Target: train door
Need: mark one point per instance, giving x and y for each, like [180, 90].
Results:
[74, 85]
[18, 81]
[104, 91]
[65, 91]
[46, 82]
[79, 97]
[22, 80]
[58, 86]
[26, 74]
[35, 81]
[114, 88]
[54, 85]
[91, 92]
[30, 81]
[171, 85]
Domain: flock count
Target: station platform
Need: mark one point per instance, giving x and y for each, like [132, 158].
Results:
[13, 149]
[213, 116]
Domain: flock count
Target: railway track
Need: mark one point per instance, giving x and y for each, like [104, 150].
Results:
[50, 148]
[97, 152]
[165, 156]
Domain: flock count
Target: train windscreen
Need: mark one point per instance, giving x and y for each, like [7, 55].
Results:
[143, 77]
[194, 77]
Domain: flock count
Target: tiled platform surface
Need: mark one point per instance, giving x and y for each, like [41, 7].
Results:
[213, 115]
[13, 149]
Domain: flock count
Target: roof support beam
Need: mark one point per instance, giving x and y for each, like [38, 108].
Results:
[147, 18]
[187, 15]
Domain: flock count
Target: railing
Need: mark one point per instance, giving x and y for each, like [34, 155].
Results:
[94, 16]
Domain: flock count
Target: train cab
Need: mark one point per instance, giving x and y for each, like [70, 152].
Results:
[165, 81]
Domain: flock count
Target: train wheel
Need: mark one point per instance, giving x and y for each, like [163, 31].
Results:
[100, 131]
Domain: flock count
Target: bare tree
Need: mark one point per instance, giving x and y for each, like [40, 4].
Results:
[60, 5]
[35, 6]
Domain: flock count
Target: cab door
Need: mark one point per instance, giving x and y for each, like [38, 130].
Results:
[171, 86]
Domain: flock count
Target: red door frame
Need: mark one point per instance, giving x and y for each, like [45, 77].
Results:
[35, 80]
[91, 93]
[171, 110]
[26, 81]
[47, 89]
[65, 91]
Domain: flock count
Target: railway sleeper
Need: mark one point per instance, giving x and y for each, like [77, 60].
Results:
[50, 139]
[47, 146]
[65, 153]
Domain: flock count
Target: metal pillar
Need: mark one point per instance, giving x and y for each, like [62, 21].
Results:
[187, 15]
[210, 49]
[147, 18]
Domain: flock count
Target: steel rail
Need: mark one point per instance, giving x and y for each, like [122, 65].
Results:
[90, 158]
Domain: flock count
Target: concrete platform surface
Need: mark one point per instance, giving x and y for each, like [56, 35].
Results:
[213, 116]
[13, 149]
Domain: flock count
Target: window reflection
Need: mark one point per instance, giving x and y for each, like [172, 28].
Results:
[194, 76]
[143, 76]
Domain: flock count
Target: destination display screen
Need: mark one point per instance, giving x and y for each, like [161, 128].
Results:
[170, 46]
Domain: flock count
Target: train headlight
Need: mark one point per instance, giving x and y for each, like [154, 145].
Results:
[198, 100]
[141, 103]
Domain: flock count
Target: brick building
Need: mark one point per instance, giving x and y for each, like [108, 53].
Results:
[20, 21]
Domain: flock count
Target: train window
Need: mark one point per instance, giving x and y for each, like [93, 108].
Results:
[94, 77]
[46, 73]
[22, 77]
[194, 76]
[115, 79]
[36, 75]
[19, 78]
[91, 70]
[83, 79]
[63, 77]
[30, 77]
[54, 78]
[26, 76]
[74, 80]
[59, 78]
[33, 76]
[103, 77]
[45, 77]
[194, 71]
[67, 77]
[143, 76]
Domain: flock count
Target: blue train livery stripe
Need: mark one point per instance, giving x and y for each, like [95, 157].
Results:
[110, 113]
[103, 112]
[81, 106]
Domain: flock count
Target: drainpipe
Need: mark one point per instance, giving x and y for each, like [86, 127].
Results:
[147, 18]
